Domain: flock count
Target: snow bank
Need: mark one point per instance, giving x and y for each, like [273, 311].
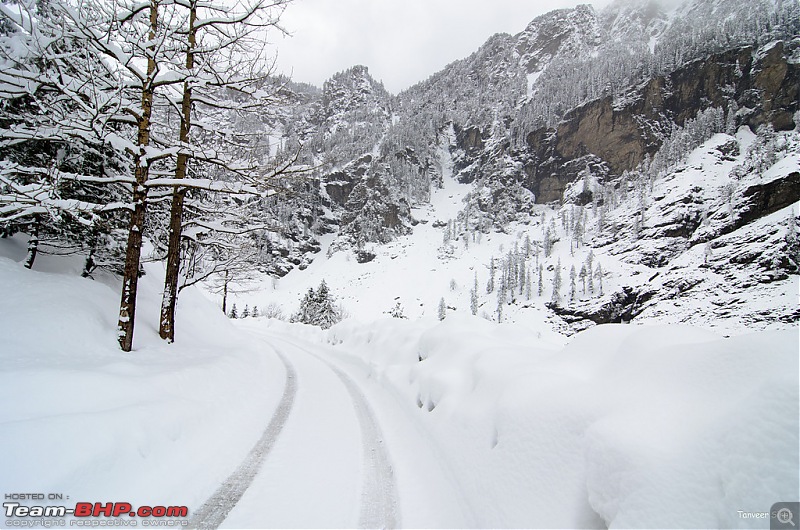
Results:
[627, 426]
[163, 425]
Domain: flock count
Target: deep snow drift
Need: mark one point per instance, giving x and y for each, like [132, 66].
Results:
[627, 426]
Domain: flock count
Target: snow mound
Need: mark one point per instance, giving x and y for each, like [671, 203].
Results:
[86, 420]
[627, 426]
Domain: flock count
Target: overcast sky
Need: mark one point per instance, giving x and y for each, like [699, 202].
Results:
[401, 41]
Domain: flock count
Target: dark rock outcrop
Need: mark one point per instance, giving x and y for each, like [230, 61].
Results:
[371, 214]
[621, 306]
[765, 85]
[764, 199]
[340, 184]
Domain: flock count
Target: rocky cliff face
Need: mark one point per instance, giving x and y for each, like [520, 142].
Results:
[363, 206]
[764, 84]
[561, 32]
[353, 185]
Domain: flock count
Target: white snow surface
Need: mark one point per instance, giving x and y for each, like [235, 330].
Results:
[391, 422]
[495, 426]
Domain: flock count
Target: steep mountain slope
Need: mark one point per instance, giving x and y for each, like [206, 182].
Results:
[597, 112]
[686, 252]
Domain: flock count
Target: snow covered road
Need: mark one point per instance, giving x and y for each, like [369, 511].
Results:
[258, 423]
[378, 491]
[331, 465]
[325, 463]
[216, 509]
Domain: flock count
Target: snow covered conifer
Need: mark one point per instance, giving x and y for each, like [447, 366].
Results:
[599, 275]
[500, 304]
[572, 288]
[246, 312]
[326, 312]
[547, 244]
[492, 270]
[557, 283]
[540, 286]
[234, 313]
[442, 309]
[397, 311]
[582, 277]
[528, 287]
[473, 297]
[589, 271]
[256, 313]
[502, 291]
[307, 312]
[578, 227]
[521, 268]
[317, 308]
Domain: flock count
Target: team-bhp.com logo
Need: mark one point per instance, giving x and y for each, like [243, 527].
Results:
[87, 510]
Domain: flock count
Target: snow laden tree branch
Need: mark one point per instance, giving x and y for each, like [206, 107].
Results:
[89, 95]
[221, 57]
[60, 175]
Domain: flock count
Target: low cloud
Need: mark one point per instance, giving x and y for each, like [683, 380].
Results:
[402, 43]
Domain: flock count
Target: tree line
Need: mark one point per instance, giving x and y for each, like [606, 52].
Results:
[124, 120]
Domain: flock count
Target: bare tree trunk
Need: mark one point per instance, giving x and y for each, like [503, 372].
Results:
[130, 281]
[133, 252]
[33, 245]
[170, 297]
[225, 295]
[88, 265]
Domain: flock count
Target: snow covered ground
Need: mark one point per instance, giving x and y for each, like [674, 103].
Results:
[384, 422]
[82, 419]
[477, 424]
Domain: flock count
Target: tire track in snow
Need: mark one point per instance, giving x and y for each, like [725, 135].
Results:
[214, 511]
[378, 490]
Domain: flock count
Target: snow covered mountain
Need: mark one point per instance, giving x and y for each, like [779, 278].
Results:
[594, 113]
